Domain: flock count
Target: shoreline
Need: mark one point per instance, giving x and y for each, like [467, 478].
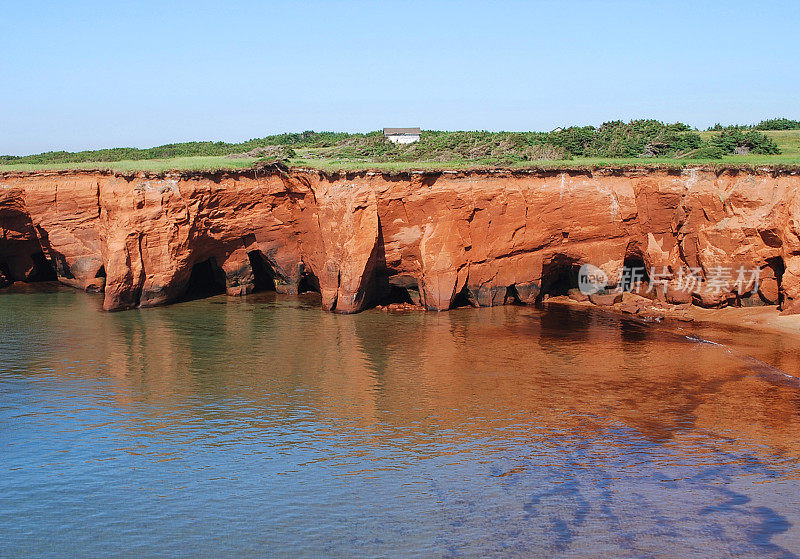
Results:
[767, 319]
[761, 319]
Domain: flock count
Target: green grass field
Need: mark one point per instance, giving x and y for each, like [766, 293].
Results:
[788, 141]
[203, 163]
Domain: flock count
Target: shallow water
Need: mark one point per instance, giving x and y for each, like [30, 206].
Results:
[265, 426]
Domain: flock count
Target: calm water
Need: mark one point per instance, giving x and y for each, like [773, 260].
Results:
[264, 426]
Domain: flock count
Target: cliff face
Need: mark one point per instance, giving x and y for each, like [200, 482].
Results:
[486, 238]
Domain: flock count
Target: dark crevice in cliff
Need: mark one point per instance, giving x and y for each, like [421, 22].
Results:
[57, 261]
[375, 287]
[512, 295]
[101, 273]
[397, 294]
[401, 289]
[206, 279]
[559, 275]
[634, 273]
[308, 288]
[309, 283]
[463, 299]
[42, 269]
[263, 274]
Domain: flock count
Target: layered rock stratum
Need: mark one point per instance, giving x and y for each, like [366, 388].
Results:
[437, 239]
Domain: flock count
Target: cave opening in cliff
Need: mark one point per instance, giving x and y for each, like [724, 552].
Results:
[263, 274]
[559, 276]
[309, 283]
[206, 279]
[512, 295]
[463, 299]
[101, 273]
[397, 295]
[400, 289]
[42, 268]
[634, 274]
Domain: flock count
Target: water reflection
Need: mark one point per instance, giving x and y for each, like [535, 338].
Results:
[505, 430]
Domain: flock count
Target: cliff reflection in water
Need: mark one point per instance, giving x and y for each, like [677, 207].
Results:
[563, 369]
[473, 431]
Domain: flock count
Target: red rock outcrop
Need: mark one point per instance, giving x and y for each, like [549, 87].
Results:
[438, 239]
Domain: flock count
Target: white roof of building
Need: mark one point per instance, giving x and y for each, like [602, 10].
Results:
[390, 131]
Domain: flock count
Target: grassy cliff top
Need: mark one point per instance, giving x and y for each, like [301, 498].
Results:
[664, 146]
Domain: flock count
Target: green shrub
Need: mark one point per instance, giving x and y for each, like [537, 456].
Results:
[778, 124]
[647, 138]
[731, 138]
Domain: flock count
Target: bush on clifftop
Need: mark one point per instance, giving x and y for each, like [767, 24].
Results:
[637, 138]
[754, 142]
[778, 124]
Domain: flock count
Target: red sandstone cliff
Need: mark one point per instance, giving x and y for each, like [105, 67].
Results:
[437, 238]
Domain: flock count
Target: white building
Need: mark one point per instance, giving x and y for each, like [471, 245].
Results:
[402, 135]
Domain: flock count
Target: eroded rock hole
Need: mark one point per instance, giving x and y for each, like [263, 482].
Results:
[463, 299]
[206, 279]
[101, 273]
[399, 289]
[634, 274]
[558, 277]
[397, 294]
[263, 274]
[512, 295]
[771, 282]
[42, 269]
[309, 283]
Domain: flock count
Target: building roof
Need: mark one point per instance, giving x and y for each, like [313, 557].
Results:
[389, 131]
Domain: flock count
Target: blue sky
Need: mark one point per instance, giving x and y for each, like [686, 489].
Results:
[84, 75]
